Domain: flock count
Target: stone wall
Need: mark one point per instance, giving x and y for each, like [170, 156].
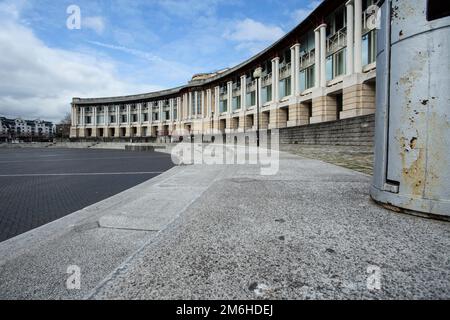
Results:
[358, 131]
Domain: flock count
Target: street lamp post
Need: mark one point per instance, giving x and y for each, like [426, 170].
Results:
[257, 76]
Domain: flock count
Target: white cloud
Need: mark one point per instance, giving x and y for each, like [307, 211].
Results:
[39, 81]
[157, 64]
[95, 23]
[302, 13]
[252, 36]
[251, 30]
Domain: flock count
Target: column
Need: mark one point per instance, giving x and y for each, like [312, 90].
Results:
[323, 55]
[358, 36]
[140, 113]
[350, 39]
[128, 114]
[72, 116]
[171, 109]
[94, 116]
[202, 109]
[106, 115]
[189, 103]
[216, 100]
[179, 109]
[229, 96]
[317, 58]
[295, 55]
[77, 119]
[243, 91]
[160, 105]
[195, 103]
[275, 79]
[209, 102]
[185, 106]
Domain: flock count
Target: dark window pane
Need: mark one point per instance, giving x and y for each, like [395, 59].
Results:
[437, 9]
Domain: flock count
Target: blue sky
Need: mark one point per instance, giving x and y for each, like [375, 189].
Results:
[126, 46]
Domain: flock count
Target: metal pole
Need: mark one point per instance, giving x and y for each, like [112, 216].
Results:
[257, 112]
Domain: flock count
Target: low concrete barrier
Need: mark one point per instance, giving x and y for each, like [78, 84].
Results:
[140, 148]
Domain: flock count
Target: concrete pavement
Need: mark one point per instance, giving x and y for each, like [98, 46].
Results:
[227, 232]
[310, 232]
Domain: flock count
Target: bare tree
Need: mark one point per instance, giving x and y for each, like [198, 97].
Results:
[67, 119]
[63, 128]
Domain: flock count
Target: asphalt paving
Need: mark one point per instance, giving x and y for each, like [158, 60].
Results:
[38, 186]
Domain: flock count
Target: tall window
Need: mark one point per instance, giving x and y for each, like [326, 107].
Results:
[266, 94]
[251, 99]
[236, 103]
[285, 87]
[369, 47]
[335, 64]
[223, 106]
[306, 78]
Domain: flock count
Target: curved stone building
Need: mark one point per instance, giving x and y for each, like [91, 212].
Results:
[323, 70]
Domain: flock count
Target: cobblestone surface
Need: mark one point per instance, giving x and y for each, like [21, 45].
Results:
[27, 201]
[358, 158]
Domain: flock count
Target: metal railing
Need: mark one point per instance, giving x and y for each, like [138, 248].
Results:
[251, 86]
[266, 80]
[236, 92]
[285, 71]
[337, 41]
[307, 59]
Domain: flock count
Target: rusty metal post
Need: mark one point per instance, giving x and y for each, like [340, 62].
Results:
[412, 143]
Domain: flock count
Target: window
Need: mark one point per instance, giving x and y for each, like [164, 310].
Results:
[339, 19]
[145, 116]
[236, 103]
[251, 99]
[266, 94]
[335, 64]
[100, 119]
[437, 9]
[369, 47]
[223, 106]
[124, 118]
[88, 120]
[307, 78]
[339, 62]
[134, 118]
[285, 87]
[112, 119]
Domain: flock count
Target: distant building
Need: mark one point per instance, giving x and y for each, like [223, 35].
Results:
[27, 130]
[323, 70]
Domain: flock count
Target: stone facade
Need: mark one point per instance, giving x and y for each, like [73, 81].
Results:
[356, 131]
[311, 76]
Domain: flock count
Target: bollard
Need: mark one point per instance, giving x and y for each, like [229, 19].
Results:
[412, 139]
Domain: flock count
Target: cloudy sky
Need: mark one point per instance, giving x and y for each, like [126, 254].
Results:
[126, 46]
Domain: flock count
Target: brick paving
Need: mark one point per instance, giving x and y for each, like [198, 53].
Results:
[27, 202]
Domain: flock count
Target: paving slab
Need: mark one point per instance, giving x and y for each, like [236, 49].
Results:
[34, 265]
[309, 232]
